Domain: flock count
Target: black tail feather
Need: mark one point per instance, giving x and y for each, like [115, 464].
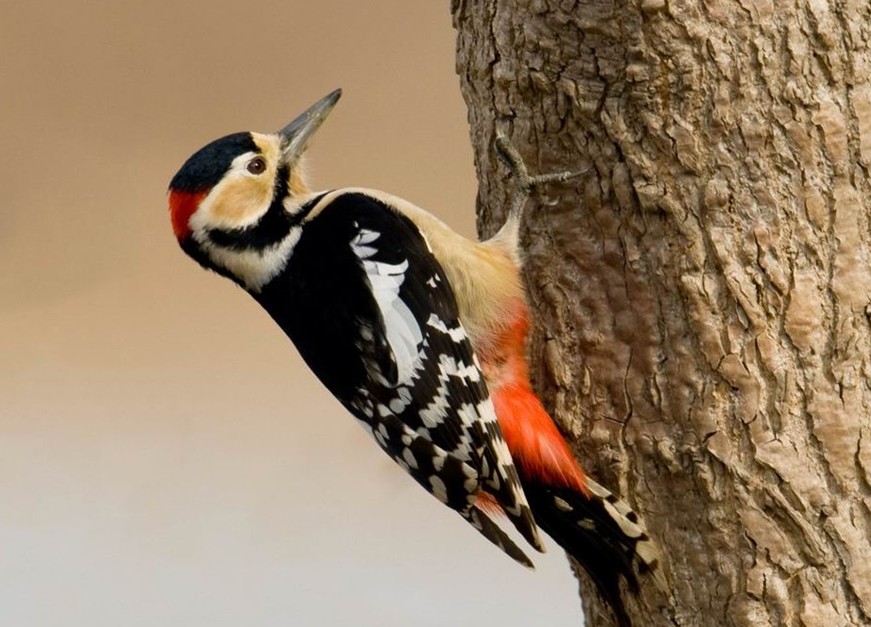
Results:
[602, 534]
[490, 530]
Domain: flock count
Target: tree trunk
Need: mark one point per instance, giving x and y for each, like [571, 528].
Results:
[702, 293]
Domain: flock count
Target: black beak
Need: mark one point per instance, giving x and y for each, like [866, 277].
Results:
[295, 136]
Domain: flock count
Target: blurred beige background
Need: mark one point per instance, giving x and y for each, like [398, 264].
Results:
[165, 457]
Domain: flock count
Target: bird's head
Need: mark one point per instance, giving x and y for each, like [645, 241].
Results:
[236, 204]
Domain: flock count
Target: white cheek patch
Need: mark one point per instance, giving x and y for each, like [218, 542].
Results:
[400, 326]
[208, 217]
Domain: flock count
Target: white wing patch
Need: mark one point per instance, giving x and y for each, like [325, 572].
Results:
[403, 333]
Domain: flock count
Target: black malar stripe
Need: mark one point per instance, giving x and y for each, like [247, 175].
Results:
[272, 228]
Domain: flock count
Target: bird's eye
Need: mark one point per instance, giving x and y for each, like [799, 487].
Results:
[256, 166]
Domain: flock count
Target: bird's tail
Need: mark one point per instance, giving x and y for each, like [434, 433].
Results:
[490, 530]
[593, 526]
[602, 534]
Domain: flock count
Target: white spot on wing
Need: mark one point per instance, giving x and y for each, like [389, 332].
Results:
[457, 335]
[408, 456]
[403, 333]
[366, 236]
[437, 410]
[439, 490]
[398, 404]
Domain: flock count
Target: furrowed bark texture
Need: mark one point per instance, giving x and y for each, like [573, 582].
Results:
[702, 294]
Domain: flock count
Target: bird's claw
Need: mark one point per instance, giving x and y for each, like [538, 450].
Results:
[524, 182]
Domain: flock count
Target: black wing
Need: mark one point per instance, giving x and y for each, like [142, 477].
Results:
[372, 313]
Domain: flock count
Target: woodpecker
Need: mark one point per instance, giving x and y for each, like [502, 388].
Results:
[418, 331]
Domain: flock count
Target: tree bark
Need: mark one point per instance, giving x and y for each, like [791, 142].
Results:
[702, 293]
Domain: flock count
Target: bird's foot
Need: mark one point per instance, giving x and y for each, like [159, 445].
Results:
[524, 182]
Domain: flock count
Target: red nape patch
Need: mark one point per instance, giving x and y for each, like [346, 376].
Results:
[181, 207]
